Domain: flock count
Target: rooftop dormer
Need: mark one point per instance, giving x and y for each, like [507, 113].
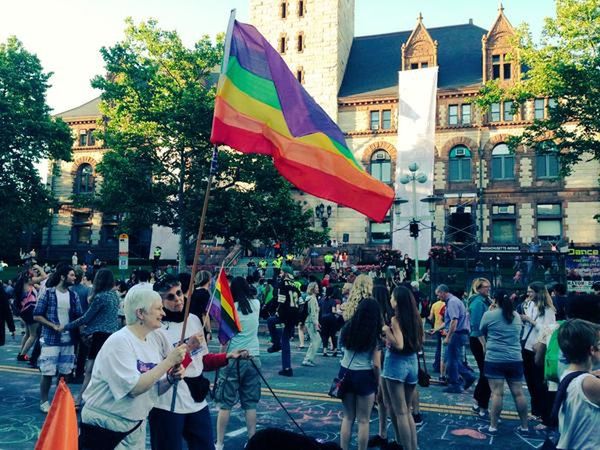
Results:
[420, 50]
[499, 60]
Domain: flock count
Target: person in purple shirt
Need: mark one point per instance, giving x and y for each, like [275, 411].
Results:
[457, 337]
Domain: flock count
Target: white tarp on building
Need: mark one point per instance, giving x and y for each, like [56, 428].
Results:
[416, 144]
[166, 240]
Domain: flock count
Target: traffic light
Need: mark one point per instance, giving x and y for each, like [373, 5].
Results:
[413, 229]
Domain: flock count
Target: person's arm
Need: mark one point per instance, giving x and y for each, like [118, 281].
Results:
[46, 322]
[41, 274]
[377, 362]
[394, 335]
[87, 317]
[591, 389]
[39, 313]
[451, 329]
[154, 375]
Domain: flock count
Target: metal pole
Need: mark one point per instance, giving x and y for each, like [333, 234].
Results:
[416, 242]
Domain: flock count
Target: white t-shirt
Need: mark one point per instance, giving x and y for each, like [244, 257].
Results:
[185, 404]
[578, 419]
[63, 305]
[541, 322]
[117, 369]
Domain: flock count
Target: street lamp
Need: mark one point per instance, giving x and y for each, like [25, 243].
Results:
[415, 177]
[323, 213]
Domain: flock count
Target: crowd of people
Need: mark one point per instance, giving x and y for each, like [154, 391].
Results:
[123, 339]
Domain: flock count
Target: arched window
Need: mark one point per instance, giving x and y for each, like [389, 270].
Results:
[503, 163]
[460, 164]
[84, 183]
[381, 166]
[546, 160]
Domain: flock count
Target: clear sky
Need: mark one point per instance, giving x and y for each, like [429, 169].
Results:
[67, 34]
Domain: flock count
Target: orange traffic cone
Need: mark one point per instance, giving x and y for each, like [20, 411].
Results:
[60, 427]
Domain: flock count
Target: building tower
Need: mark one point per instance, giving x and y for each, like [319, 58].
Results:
[314, 38]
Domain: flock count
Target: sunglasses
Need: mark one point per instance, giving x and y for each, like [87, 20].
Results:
[174, 297]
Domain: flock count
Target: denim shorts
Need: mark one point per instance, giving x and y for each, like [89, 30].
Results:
[400, 367]
[358, 382]
[510, 370]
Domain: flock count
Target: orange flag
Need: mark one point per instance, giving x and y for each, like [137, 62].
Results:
[60, 427]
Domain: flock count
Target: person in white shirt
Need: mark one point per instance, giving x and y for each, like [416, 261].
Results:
[579, 414]
[133, 368]
[190, 419]
[538, 313]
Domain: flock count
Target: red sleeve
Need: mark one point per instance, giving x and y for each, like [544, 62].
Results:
[213, 361]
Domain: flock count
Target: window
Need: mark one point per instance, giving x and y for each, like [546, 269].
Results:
[419, 65]
[82, 228]
[539, 109]
[495, 112]
[453, 115]
[386, 119]
[549, 222]
[84, 183]
[381, 233]
[546, 161]
[300, 75]
[460, 164]
[501, 67]
[508, 111]
[374, 120]
[300, 8]
[91, 139]
[83, 138]
[504, 231]
[424, 65]
[381, 166]
[283, 10]
[495, 67]
[503, 163]
[300, 42]
[466, 114]
[282, 42]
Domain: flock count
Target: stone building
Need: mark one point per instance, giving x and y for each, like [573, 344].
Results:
[510, 198]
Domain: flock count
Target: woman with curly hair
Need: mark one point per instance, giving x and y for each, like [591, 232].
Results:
[360, 337]
[538, 313]
[404, 338]
[361, 289]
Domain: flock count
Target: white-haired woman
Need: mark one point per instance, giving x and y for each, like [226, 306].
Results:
[134, 366]
[312, 324]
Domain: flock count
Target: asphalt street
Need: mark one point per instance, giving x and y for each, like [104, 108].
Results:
[448, 420]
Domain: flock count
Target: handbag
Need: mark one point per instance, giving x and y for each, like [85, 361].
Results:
[94, 437]
[424, 379]
[336, 390]
[199, 387]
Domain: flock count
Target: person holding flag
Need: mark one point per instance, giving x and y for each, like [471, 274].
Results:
[190, 419]
[240, 380]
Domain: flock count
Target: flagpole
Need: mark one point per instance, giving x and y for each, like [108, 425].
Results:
[213, 170]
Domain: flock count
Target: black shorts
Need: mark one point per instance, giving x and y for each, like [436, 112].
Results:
[27, 316]
[98, 340]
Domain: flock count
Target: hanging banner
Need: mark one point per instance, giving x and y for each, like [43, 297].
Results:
[416, 143]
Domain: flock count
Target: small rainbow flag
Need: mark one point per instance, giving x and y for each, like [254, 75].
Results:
[222, 310]
[262, 108]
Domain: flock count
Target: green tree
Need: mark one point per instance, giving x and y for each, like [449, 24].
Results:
[564, 66]
[158, 100]
[28, 134]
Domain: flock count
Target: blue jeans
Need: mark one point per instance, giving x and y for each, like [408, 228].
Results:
[168, 429]
[281, 339]
[455, 365]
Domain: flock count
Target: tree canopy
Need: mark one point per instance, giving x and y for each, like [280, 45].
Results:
[564, 66]
[28, 134]
[157, 99]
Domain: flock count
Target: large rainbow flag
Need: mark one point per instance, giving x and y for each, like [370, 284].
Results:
[222, 309]
[262, 108]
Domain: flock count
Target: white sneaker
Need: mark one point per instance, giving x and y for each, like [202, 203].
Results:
[218, 446]
[45, 407]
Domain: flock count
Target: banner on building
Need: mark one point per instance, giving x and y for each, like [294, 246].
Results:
[416, 143]
[583, 268]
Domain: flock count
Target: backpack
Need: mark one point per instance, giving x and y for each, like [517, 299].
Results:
[552, 357]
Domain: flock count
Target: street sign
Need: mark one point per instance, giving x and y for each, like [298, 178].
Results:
[123, 252]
